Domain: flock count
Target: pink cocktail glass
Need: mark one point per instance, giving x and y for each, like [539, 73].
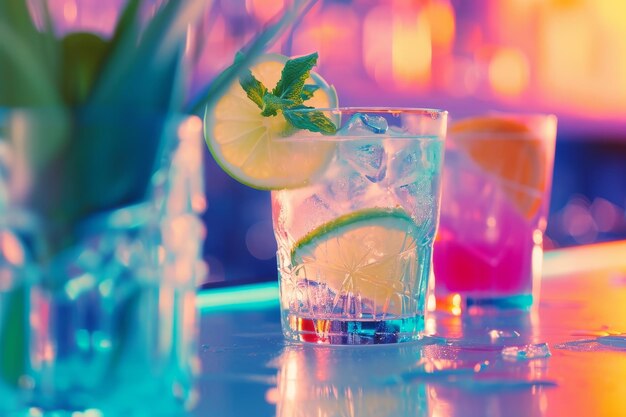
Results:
[496, 188]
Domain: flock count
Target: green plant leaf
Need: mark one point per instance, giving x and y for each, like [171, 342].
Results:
[127, 28]
[50, 44]
[13, 331]
[29, 66]
[83, 55]
[150, 74]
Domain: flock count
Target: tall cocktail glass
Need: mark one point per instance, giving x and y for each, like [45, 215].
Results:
[496, 192]
[355, 239]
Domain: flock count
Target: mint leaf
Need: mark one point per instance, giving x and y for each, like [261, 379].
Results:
[308, 90]
[293, 76]
[254, 88]
[312, 120]
[289, 94]
[271, 104]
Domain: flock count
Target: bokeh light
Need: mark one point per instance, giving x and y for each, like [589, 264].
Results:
[264, 10]
[509, 72]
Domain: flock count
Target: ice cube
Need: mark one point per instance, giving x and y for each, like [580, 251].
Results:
[378, 124]
[410, 159]
[347, 186]
[364, 125]
[310, 213]
[404, 163]
[366, 156]
[376, 195]
[417, 199]
[531, 351]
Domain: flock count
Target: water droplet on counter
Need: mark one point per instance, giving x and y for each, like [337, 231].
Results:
[601, 341]
[531, 351]
[434, 340]
[481, 366]
[618, 340]
[439, 370]
[494, 384]
[503, 334]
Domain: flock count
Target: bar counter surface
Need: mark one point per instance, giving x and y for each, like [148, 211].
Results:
[567, 358]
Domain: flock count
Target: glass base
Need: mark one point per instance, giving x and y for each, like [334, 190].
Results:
[352, 332]
[481, 304]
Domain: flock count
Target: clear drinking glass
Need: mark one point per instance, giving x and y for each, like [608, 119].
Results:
[100, 257]
[355, 240]
[496, 192]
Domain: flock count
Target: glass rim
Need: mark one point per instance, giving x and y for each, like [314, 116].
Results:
[539, 126]
[508, 115]
[432, 123]
[375, 109]
[494, 135]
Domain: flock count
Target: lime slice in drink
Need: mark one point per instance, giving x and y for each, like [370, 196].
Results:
[370, 254]
[251, 148]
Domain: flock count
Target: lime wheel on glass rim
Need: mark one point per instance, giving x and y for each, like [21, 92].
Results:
[251, 148]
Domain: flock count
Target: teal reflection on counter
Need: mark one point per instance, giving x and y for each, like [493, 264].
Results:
[242, 297]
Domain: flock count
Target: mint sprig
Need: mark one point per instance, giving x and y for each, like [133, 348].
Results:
[289, 94]
[272, 104]
[253, 88]
[312, 120]
[293, 77]
[308, 90]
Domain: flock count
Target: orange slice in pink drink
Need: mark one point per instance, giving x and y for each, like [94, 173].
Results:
[507, 148]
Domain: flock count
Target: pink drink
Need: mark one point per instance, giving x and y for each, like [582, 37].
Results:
[493, 214]
[469, 260]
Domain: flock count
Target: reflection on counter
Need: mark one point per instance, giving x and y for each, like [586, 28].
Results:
[564, 358]
[460, 371]
[438, 377]
[315, 381]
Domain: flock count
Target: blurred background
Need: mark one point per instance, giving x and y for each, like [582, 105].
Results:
[566, 57]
